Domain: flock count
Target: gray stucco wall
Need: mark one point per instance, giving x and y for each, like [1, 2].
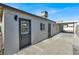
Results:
[11, 30]
[11, 34]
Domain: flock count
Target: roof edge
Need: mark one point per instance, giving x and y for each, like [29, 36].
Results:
[6, 6]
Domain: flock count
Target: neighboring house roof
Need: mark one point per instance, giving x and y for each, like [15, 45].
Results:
[66, 22]
[6, 6]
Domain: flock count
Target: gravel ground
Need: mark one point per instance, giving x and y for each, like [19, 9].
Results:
[60, 44]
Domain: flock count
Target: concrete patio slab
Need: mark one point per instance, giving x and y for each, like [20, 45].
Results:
[60, 44]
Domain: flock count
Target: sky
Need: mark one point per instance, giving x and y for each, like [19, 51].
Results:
[56, 11]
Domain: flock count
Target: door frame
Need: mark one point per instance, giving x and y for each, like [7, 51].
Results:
[49, 30]
[20, 30]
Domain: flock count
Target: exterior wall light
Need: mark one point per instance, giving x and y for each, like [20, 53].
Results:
[15, 17]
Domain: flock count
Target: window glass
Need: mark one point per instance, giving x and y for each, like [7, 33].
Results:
[24, 27]
[42, 26]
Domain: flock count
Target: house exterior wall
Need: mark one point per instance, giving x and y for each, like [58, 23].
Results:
[11, 30]
[76, 34]
[56, 29]
[11, 34]
[37, 34]
[76, 31]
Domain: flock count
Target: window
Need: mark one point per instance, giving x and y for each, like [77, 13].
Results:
[24, 27]
[42, 26]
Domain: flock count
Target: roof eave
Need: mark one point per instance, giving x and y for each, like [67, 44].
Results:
[6, 6]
